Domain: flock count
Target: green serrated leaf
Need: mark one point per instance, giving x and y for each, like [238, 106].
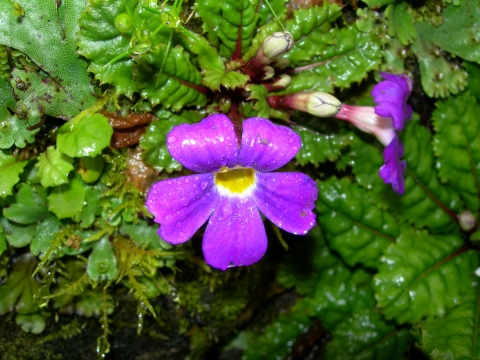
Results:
[455, 335]
[423, 276]
[318, 148]
[44, 235]
[400, 22]
[457, 146]
[54, 167]
[52, 26]
[179, 83]
[29, 205]
[368, 336]
[342, 57]
[153, 142]
[86, 137]
[458, 34]
[426, 201]
[227, 21]
[259, 93]
[439, 77]
[353, 224]
[67, 200]
[102, 263]
[230, 80]
[10, 169]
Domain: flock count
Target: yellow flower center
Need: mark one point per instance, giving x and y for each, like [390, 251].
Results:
[234, 181]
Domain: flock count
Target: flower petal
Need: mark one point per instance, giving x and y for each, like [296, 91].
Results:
[266, 146]
[206, 146]
[393, 171]
[391, 96]
[287, 199]
[182, 205]
[235, 235]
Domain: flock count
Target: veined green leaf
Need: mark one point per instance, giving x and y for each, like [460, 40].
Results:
[17, 235]
[353, 224]
[53, 26]
[368, 336]
[10, 169]
[29, 205]
[86, 137]
[457, 145]
[426, 201]
[230, 80]
[400, 22]
[179, 83]
[423, 276]
[463, 40]
[344, 56]
[229, 24]
[455, 335]
[54, 167]
[439, 77]
[67, 200]
[318, 148]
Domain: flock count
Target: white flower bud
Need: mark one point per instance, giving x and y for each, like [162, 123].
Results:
[269, 72]
[317, 103]
[466, 220]
[277, 44]
[283, 81]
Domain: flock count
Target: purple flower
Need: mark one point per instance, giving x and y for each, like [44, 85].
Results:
[384, 120]
[233, 182]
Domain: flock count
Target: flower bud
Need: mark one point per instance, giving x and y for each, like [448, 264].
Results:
[316, 103]
[269, 72]
[277, 44]
[282, 82]
[466, 220]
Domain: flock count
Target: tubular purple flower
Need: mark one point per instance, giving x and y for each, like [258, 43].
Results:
[233, 183]
[384, 120]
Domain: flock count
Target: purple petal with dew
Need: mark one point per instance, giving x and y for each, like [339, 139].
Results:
[393, 172]
[266, 146]
[287, 199]
[206, 146]
[182, 205]
[235, 235]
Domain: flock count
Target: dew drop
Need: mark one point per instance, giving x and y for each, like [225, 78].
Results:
[204, 185]
[178, 224]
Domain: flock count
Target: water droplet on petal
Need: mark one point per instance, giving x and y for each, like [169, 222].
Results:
[178, 224]
[204, 185]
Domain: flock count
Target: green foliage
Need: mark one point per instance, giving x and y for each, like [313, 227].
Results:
[87, 136]
[400, 22]
[67, 200]
[457, 146]
[10, 169]
[230, 80]
[259, 93]
[29, 205]
[54, 167]
[102, 263]
[422, 275]
[17, 235]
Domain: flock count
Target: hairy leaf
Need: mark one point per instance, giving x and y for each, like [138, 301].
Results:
[53, 26]
[230, 80]
[85, 137]
[457, 145]
[318, 148]
[439, 77]
[10, 169]
[353, 224]
[423, 276]
[67, 200]
[368, 336]
[179, 83]
[229, 24]
[54, 167]
[29, 205]
[455, 335]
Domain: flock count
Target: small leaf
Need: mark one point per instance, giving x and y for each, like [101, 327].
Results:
[353, 224]
[400, 22]
[29, 205]
[54, 167]
[144, 235]
[376, 4]
[423, 276]
[67, 200]
[457, 146]
[230, 80]
[318, 148]
[368, 336]
[454, 335]
[86, 137]
[10, 169]
[102, 263]
[44, 235]
[92, 207]
[259, 93]
[227, 23]
[17, 235]
[90, 168]
[179, 83]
